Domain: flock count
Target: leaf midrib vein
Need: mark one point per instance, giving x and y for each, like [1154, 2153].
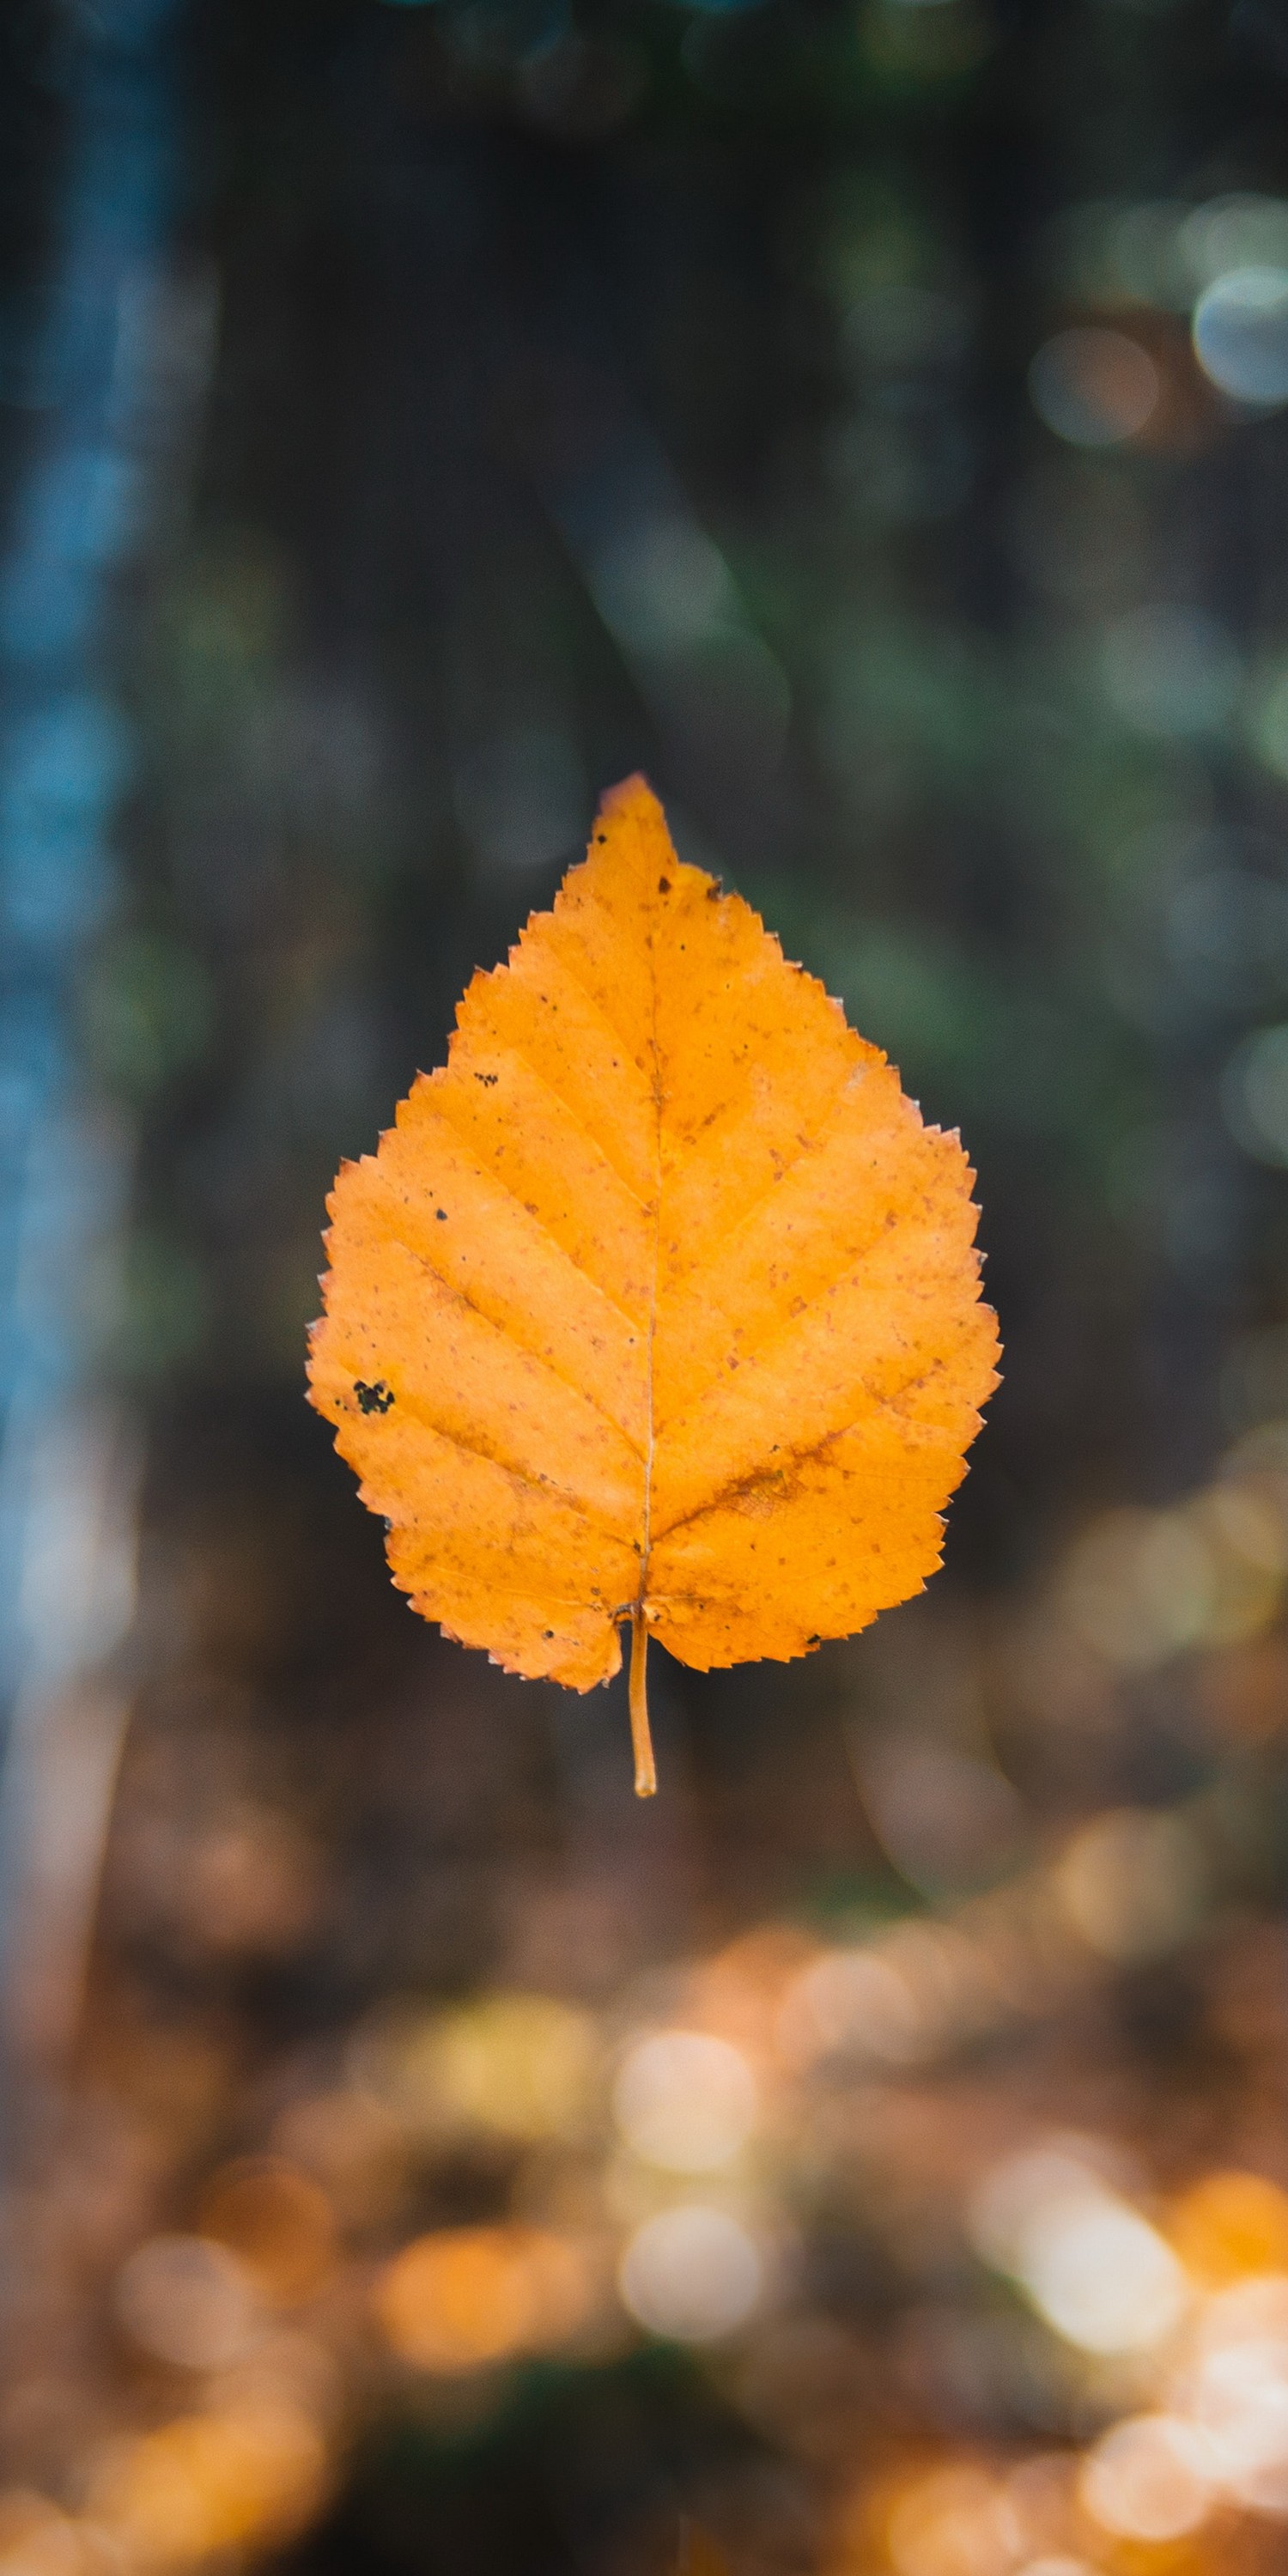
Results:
[646, 1533]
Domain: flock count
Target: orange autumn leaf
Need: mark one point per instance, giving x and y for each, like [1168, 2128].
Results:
[659, 1302]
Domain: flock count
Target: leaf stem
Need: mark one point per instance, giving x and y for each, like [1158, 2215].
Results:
[645, 1768]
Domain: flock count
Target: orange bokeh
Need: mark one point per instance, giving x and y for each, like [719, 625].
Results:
[208, 2483]
[466, 2296]
[277, 2220]
[1230, 2225]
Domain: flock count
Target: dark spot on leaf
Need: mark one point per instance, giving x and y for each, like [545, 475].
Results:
[489, 1078]
[664, 885]
[372, 1399]
[441, 1214]
[549, 1632]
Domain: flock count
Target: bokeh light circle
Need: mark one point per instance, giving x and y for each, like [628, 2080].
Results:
[1149, 2478]
[1241, 335]
[691, 2273]
[1093, 2267]
[1094, 387]
[1170, 670]
[461, 2298]
[1254, 1095]
[685, 2101]
[187, 2301]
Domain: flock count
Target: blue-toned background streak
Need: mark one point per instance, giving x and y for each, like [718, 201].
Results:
[65, 745]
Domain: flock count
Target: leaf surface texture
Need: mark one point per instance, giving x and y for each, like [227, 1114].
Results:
[659, 1300]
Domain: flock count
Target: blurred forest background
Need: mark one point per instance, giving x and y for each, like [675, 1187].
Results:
[869, 417]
